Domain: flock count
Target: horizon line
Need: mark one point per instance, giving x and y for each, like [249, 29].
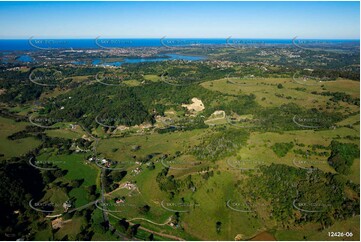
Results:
[221, 38]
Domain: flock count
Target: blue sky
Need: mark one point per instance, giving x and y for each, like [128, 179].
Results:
[332, 20]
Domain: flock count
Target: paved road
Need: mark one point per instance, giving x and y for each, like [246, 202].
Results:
[102, 178]
[73, 210]
[82, 207]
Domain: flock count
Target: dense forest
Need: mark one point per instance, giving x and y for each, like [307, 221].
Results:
[19, 184]
[295, 193]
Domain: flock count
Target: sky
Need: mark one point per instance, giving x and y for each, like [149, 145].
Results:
[273, 20]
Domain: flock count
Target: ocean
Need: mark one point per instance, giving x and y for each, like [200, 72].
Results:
[103, 43]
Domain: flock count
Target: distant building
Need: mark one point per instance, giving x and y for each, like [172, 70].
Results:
[66, 205]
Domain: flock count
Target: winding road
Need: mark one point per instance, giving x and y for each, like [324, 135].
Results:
[173, 237]
[150, 221]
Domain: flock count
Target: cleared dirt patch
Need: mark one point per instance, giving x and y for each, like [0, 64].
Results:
[196, 105]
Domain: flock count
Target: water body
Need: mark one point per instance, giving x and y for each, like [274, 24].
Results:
[24, 58]
[79, 62]
[47, 44]
[4, 60]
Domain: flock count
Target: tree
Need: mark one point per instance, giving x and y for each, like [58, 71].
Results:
[151, 237]
[151, 166]
[76, 183]
[91, 189]
[342, 156]
[144, 209]
[118, 175]
[218, 226]
[132, 231]
[124, 225]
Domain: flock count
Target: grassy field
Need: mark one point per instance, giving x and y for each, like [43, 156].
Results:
[269, 95]
[150, 194]
[21, 110]
[149, 144]
[310, 232]
[132, 83]
[207, 201]
[210, 199]
[153, 78]
[212, 195]
[70, 229]
[66, 132]
[11, 148]
[77, 168]
[259, 146]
